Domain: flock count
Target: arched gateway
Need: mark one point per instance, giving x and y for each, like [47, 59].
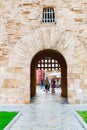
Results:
[39, 43]
[33, 29]
[55, 55]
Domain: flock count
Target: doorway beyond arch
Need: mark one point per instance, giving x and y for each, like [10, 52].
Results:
[55, 55]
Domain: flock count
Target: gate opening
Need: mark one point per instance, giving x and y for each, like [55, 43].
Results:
[48, 63]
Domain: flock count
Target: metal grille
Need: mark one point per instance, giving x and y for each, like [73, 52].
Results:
[48, 15]
[49, 64]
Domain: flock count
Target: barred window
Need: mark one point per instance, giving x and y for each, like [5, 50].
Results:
[48, 63]
[48, 15]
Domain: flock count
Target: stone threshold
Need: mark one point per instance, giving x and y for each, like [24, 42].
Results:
[13, 121]
[80, 118]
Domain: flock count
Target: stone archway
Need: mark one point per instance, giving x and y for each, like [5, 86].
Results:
[55, 55]
[20, 59]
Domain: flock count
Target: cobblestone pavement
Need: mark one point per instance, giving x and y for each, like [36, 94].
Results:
[46, 112]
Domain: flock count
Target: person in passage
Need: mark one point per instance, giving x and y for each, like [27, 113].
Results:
[49, 84]
[53, 79]
[56, 83]
[46, 84]
[42, 83]
[53, 87]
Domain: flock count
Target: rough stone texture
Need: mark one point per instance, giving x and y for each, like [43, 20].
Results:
[22, 35]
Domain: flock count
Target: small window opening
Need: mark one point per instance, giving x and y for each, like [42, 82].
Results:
[48, 15]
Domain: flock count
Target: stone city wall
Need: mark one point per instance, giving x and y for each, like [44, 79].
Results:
[22, 35]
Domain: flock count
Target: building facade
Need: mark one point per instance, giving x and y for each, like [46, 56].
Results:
[32, 29]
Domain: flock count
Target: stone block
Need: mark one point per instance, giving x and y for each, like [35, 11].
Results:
[10, 70]
[19, 70]
[26, 101]
[78, 19]
[10, 83]
[77, 101]
[77, 70]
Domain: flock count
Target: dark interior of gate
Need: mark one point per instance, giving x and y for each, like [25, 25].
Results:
[55, 55]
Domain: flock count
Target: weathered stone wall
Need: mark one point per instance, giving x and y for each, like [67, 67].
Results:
[22, 35]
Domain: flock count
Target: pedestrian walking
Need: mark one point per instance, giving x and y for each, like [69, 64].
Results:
[53, 87]
[46, 84]
[42, 83]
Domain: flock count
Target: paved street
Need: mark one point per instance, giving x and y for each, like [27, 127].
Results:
[46, 112]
